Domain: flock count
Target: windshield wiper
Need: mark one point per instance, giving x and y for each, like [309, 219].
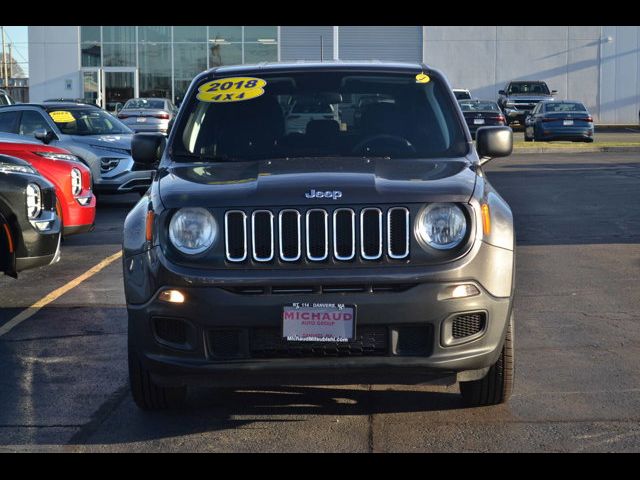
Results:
[205, 158]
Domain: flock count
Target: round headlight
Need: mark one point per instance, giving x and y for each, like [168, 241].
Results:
[192, 230]
[441, 226]
[34, 201]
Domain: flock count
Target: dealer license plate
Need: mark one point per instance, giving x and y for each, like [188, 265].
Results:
[318, 322]
[568, 122]
[478, 121]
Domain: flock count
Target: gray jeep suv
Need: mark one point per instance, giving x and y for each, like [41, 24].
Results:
[100, 140]
[369, 252]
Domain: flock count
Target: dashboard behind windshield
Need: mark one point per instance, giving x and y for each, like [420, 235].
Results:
[87, 121]
[324, 113]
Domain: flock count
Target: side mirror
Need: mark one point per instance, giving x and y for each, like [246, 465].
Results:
[147, 148]
[554, 92]
[501, 92]
[493, 142]
[45, 136]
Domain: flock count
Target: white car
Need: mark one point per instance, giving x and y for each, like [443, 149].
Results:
[462, 94]
[303, 112]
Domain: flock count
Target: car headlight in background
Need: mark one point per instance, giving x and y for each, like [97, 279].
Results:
[11, 168]
[76, 182]
[34, 201]
[441, 226]
[58, 156]
[192, 230]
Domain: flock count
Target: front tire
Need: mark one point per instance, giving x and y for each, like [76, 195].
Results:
[496, 386]
[147, 394]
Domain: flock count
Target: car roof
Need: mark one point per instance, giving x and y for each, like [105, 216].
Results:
[50, 105]
[366, 65]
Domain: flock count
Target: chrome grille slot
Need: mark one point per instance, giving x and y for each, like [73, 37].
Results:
[262, 235]
[235, 235]
[344, 234]
[371, 233]
[307, 236]
[289, 235]
[317, 235]
[398, 232]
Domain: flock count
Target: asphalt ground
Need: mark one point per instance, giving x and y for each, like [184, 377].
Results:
[63, 378]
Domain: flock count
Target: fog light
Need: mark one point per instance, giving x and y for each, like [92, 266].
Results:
[458, 291]
[172, 296]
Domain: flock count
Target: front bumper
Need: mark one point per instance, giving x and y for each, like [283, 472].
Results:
[415, 315]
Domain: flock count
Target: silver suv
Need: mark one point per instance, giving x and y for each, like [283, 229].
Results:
[100, 140]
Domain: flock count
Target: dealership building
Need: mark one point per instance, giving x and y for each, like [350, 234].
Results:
[598, 65]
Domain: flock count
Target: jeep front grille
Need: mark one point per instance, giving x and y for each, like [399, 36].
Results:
[317, 234]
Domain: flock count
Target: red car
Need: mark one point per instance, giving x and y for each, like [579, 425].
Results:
[76, 203]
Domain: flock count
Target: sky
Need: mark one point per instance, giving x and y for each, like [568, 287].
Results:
[19, 37]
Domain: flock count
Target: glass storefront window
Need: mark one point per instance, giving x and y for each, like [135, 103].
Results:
[90, 54]
[154, 70]
[149, 49]
[90, 34]
[119, 34]
[190, 34]
[154, 34]
[260, 34]
[225, 54]
[260, 52]
[119, 54]
[228, 34]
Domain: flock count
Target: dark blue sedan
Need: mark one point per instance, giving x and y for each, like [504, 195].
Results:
[559, 120]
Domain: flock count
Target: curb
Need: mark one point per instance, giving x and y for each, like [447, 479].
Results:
[590, 149]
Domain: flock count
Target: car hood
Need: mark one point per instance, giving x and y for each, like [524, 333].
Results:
[287, 182]
[120, 142]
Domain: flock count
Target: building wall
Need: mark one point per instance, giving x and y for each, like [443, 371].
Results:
[620, 74]
[597, 65]
[484, 58]
[54, 58]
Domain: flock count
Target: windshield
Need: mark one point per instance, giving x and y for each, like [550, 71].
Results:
[528, 88]
[144, 103]
[320, 113]
[87, 121]
[478, 106]
[565, 107]
[461, 94]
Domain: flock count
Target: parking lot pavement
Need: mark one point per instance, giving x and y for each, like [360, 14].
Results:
[63, 384]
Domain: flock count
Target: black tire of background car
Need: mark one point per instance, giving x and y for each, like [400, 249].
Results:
[148, 395]
[527, 138]
[496, 386]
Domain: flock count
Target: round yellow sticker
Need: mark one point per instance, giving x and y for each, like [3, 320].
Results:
[422, 78]
[233, 89]
[61, 116]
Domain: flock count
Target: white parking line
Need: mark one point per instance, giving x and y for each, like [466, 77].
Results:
[33, 309]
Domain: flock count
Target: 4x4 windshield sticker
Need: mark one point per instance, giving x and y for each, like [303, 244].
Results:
[422, 78]
[61, 116]
[234, 89]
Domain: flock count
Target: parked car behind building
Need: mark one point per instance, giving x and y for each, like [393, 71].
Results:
[518, 98]
[148, 114]
[29, 226]
[559, 120]
[101, 141]
[481, 113]
[76, 204]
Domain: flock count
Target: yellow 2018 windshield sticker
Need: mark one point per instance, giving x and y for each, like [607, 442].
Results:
[60, 116]
[422, 78]
[234, 89]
